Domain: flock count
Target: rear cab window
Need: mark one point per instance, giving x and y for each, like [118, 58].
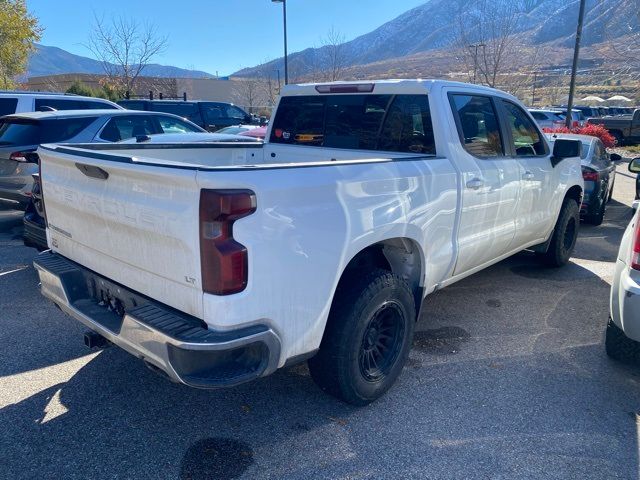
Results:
[394, 123]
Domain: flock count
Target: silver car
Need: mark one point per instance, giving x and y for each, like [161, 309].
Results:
[20, 135]
[622, 340]
[547, 118]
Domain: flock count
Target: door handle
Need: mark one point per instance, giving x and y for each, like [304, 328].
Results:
[528, 175]
[475, 183]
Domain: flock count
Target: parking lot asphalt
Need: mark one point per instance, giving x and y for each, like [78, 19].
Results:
[508, 378]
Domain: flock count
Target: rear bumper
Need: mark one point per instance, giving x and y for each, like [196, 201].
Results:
[34, 233]
[625, 300]
[178, 344]
[16, 189]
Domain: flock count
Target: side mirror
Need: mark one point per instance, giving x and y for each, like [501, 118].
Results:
[615, 157]
[634, 165]
[563, 148]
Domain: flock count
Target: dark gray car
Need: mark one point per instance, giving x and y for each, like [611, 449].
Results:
[20, 135]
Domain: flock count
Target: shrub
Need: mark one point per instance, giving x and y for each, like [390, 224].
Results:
[592, 130]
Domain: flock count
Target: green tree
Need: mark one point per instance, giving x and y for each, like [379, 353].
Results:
[18, 30]
[83, 89]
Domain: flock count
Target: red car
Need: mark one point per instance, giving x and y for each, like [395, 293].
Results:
[259, 132]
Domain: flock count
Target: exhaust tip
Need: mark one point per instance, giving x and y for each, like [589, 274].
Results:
[95, 340]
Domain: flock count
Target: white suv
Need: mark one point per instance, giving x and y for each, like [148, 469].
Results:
[21, 101]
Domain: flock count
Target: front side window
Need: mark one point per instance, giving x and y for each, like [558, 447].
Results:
[121, 128]
[174, 125]
[235, 113]
[525, 137]
[477, 125]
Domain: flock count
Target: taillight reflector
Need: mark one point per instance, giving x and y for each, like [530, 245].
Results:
[18, 156]
[346, 88]
[224, 261]
[635, 252]
[590, 175]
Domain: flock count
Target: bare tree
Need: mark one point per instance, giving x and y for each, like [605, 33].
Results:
[333, 60]
[125, 47]
[486, 38]
[269, 82]
[248, 93]
[625, 45]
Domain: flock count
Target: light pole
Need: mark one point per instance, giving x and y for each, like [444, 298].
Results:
[284, 17]
[574, 67]
[475, 58]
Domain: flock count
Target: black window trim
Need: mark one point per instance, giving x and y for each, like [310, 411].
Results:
[511, 145]
[496, 110]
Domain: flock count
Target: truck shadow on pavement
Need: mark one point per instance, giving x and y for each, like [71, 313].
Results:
[508, 378]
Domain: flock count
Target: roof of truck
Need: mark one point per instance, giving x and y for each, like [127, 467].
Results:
[388, 86]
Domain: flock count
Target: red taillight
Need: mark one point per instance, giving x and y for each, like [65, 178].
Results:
[37, 188]
[223, 260]
[635, 252]
[589, 175]
[346, 88]
[576, 124]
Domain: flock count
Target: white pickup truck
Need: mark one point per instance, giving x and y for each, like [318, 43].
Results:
[220, 263]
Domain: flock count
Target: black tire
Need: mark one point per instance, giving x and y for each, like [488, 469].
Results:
[619, 138]
[564, 237]
[372, 314]
[620, 347]
[598, 217]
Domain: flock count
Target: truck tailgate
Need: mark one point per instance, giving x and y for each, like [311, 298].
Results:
[136, 224]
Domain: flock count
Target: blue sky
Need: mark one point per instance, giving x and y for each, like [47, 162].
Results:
[219, 35]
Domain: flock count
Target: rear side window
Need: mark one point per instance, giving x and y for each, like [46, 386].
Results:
[526, 138]
[70, 104]
[123, 127]
[182, 109]
[132, 105]
[20, 132]
[477, 125]
[8, 106]
[400, 123]
[538, 115]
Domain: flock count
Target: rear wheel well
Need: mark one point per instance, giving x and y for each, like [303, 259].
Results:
[575, 193]
[400, 256]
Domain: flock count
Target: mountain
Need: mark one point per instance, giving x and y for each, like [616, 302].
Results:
[430, 27]
[53, 60]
